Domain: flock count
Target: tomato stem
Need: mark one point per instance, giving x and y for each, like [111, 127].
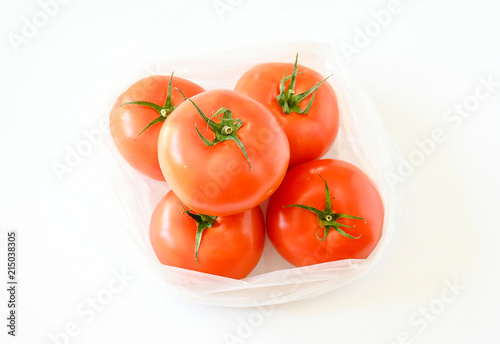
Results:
[327, 217]
[288, 100]
[225, 130]
[163, 111]
[202, 222]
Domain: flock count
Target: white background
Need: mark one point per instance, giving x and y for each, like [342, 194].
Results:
[427, 58]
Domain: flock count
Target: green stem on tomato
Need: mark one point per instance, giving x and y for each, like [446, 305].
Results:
[225, 130]
[202, 222]
[163, 111]
[288, 100]
[327, 217]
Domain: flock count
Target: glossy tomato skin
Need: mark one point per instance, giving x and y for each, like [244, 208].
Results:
[126, 121]
[217, 180]
[231, 248]
[293, 230]
[310, 135]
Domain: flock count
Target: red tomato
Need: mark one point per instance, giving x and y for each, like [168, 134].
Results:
[150, 96]
[233, 175]
[310, 134]
[305, 230]
[231, 246]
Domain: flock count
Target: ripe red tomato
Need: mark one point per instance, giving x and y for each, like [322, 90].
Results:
[229, 246]
[224, 162]
[149, 97]
[325, 210]
[311, 133]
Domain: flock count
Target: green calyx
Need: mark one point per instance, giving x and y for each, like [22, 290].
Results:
[202, 222]
[288, 100]
[225, 130]
[163, 111]
[327, 217]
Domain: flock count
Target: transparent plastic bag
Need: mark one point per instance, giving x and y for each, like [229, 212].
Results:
[362, 141]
